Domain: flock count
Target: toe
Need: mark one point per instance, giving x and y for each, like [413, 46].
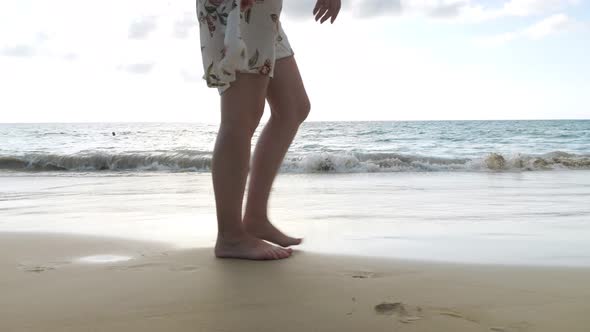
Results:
[287, 253]
[283, 253]
[279, 253]
[273, 254]
[293, 240]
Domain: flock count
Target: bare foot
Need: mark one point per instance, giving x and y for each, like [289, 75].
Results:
[267, 231]
[249, 247]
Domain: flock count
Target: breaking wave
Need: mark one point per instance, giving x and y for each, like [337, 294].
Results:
[187, 160]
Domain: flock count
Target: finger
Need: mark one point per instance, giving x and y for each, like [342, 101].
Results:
[317, 7]
[326, 15]
[337, 11]
[332, 10]
[321, 13]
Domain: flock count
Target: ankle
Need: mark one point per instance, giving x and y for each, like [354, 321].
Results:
[232, 236]
[255, 218]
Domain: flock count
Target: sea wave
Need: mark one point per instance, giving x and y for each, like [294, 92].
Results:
[101, 161]
[187, 160]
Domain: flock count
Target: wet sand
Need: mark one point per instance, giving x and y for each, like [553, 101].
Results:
[53, 282]
[530, 218]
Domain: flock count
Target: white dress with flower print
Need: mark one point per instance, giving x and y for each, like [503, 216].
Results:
[246, 41]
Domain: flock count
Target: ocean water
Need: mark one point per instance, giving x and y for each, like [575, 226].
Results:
[502, 192]
[320, 147]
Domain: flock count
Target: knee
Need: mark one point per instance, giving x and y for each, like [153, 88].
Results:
[241, 125]
[304, 110]
[293, 114]
[252, 122]
[243, 129]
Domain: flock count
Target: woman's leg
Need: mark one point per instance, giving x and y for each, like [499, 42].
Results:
[242, 106]
[289, 106]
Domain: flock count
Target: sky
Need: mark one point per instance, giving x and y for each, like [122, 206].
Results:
[132, 60]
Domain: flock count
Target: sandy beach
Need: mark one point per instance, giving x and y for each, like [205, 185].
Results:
[53, 282]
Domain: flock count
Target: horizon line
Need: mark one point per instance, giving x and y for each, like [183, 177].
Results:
[308, 121]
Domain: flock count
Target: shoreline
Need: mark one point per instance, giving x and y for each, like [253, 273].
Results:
[45, 287]
[516, 219]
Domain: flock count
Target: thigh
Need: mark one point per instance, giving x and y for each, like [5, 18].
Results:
[260, 31]
[243, 104]
[286, 92]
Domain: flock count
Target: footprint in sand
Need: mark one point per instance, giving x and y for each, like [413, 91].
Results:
[405, 314]
[513, 327]
[36, 268]
[186, 268]
[409, 314]
[362, 274]
[457, 315]
[390, 308]
[454, 314]
[367, 274]
[135, 266]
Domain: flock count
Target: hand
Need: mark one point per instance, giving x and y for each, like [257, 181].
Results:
[246, 4]
[325, 9]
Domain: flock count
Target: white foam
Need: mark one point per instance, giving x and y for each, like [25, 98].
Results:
[102, 259]
[311, 162]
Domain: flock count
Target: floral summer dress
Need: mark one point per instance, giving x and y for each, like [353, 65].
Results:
[232, 40]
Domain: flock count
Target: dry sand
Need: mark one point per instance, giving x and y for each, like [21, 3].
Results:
[45, 288]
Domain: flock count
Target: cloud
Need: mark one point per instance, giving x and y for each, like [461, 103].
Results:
[473, 11]
[534, 7]
[369, 8]
[448, 9]
[183, 26]
[190, 76]
[71, 56]
[463, 10]
[19, 51]
[551, 25]
[138, 68]
[301, 8]
[497, 40]
[141, 28]
[26, 50]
